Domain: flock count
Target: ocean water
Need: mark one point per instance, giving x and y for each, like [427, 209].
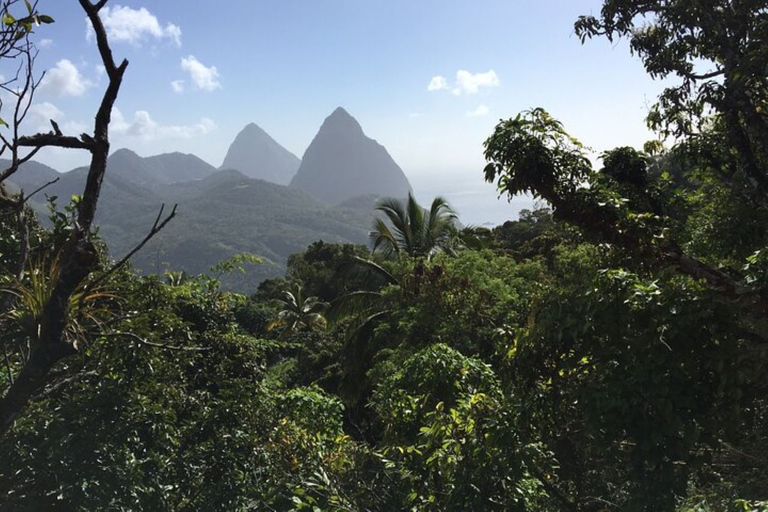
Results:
[476, 202]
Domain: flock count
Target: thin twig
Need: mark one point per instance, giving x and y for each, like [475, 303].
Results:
[141, 341]
[26, 198]
[156, 227]
[56, 387]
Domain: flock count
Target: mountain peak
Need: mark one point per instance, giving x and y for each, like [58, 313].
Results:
[339, 112]
[342, 162]
[340, 119]
[257, 155]
[125, 152]
[251, 128]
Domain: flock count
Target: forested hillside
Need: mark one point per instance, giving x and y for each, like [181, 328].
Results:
[605, 351]
[221, 213]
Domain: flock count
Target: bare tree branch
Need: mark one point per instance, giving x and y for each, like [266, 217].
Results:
[156, 227]
[66, 382]
[142, 341]
[29, 196]
[42, 140]
[79, 256]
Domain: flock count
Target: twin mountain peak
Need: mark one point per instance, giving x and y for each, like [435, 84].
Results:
[339, 164]
[244, 206]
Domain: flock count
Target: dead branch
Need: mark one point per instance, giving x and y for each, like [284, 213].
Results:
[79, 256]
[39, 189]
[142, 341]
[41, 140]
[156, 228]
[65, 382]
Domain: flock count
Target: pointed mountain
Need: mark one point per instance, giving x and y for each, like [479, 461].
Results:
[257, 155]
[342, 163]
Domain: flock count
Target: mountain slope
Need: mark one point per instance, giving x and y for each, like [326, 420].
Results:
[158, 169]
[257, 155]
[218, 216]
[30, 175]
[177, 167]
[342, 163]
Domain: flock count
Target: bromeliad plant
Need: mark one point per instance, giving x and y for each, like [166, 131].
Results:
[87, 307]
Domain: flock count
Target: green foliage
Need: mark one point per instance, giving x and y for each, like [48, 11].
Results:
[412, 230]
[299, 312]
[234, 264]
[607, 352]
[533, 153]
[320, 266]
[450, 434]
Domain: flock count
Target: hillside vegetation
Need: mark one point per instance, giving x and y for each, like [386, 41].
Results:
[607, 351]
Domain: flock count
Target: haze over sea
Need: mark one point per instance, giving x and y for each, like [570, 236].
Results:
[476, 202]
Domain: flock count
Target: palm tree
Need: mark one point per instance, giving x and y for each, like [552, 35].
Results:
[364, 309]
[299, 312]
[412, 230]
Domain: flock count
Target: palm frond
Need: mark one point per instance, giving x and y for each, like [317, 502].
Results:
[416, 222]
[383, 238]
[398, 217]
[373, 268]
[354, 303]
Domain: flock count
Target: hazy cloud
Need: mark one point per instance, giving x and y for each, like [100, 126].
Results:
[466, 82]
[44, 112]
[143, 126]
[39, 120]
[469, 83]
[178, 86]
[479, 111]
[64, 80]
[202, 77]
[132, 26]
[437, 83]
[44, 43]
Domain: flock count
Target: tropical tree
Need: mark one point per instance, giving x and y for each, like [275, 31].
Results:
[299, 312]
[629, 362]
[412, 230]
[78, 255]
[717, 50]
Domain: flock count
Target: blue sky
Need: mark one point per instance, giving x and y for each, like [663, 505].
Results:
[199, 71]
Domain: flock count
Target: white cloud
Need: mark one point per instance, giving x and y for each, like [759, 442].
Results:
[45, 43]
[204, 78]
[64, 80]
[39, 120]
[132, 26]
[178, 86]
[437, 83]
[44, 112]
[468, 83]
[479, 111]
[144, 127]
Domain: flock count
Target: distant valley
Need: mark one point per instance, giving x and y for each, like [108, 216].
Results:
[262, 200]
